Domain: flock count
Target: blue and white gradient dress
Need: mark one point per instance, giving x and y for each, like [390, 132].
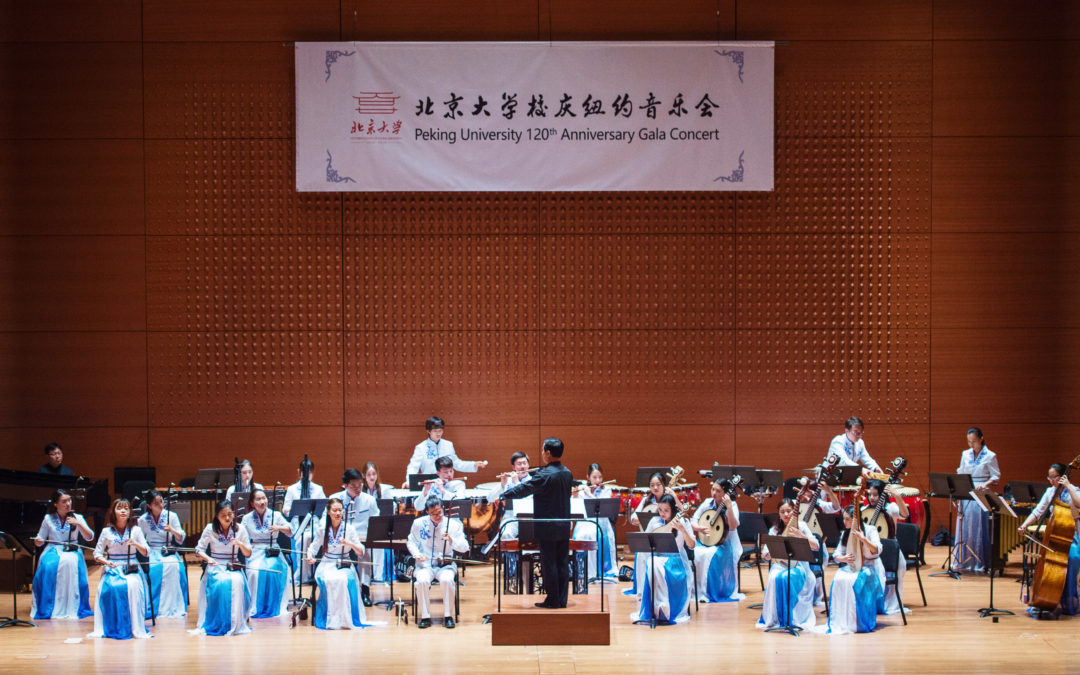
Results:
[302, 528]
[972, 548]
[121, 607]
[775, 606]
[359, 510]
[338, 605]
[168, 574]
[587, 532]
[718, 566]
[854, 597]
[61, 587]
[224, 599]
[671, 582]
[267, 576]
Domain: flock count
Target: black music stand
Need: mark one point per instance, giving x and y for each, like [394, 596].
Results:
[788, 549]
[993, 504]
[1025, 491]
[213, 479]
[415, 480]
[644, 517]
[770, 480]
[846, 475]
[299, 509]
[239, 502]
[382, 533]
[652, 543]
[646, 472]
[953, 486]
[596, 509]
[9, 541]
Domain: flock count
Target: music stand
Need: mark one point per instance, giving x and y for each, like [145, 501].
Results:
[846, 475]
[954, 486]
[1025, 491]
[213, 479]
[597, 509]
[312, 509]
[239, 504]
[770, 479]
[992, 503]
[644, 517]
[720, 471]
[644, 473]
[454, 508]
[652, 543]
[382, 533]
[415, 480]
[830, 527]
[788, 549]
[9, 541]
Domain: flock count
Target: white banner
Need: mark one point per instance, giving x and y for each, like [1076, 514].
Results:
[534, 116]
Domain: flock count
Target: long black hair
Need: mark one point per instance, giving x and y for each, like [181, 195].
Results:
[344, 523]
[221, 506]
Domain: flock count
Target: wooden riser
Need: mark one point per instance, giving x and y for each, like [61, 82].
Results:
[550, 627]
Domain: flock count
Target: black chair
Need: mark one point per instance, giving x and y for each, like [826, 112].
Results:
[751, 527]
[818, 568]
[907, 536]
[890, 559]
[925, 531]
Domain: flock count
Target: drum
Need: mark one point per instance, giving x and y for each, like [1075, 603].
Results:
[622, 494]
[484, 516]
[688, 493]
[404, 499]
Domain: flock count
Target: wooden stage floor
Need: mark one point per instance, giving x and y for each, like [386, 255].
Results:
[946, 636]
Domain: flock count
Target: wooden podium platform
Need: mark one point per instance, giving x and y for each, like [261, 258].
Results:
[550, 627]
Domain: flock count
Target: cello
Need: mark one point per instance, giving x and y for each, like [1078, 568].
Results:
[1052, 567]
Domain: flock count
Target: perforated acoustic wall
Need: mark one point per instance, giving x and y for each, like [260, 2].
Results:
[169, 299]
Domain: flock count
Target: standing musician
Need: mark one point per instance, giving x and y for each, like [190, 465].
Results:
[359, 507]
[895, 509]
[435, 446]
[168, 575]
[850, 447]
[61, 588]
[595, 489]
[432, 540]
[121, 599]
[718, 566]
[224, 599]
[442, 486]
[972, 551]
[382, 559]
[337, 606]
[55, 465]
[670, 578]
[1070, 496]
[266, 575]
[775, 606]
[247, 473]
[302, 530]
[855, 595]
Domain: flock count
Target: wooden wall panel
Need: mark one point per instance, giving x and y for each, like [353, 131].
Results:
[70, 21]
[1005, 20]
[644, 377]
[822, 281]
[71, 187]
[245, 379]
[1006, 375]
[813, 376]
[432, 20]
[833, 20]
[844, 185]
[442, 283]
[240, 20]
[232, 187]
[88, 451]
[244, 283]
[626, 213]
[391, 447]
[73, 283]
[637, 282]
[1007, 88]
[73, 379]
[439, 213]
[219, 90]
[466, 377]
[275, 452]
[1006, 184]
[642, 20]
[1006, 280]
[71, 90]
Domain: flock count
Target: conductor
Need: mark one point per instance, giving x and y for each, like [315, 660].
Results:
[550, 487]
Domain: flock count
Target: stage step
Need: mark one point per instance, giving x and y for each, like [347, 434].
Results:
[550, 627]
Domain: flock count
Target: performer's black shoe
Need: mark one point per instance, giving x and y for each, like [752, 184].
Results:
[365, 595]
[449, 622]
[424, 623]
[545, 605]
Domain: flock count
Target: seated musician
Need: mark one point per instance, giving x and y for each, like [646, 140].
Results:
[508, 531]
[435, 446]
[432, 542]
[442, 486]
[247, 475]
[895, 510]
[594, 488]
[850, 447]
[777, 604]
[61, 589]
[359, 508]
[649, 504]
[303, 529]
[55, 465]
[121, 599]
[854, 596]
[337, 606]
[972, 552]
[718, 566]
[169, 582]
[382, 560]
[224, 601]
[670, 579]
[266, 574]
[1070, 495]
